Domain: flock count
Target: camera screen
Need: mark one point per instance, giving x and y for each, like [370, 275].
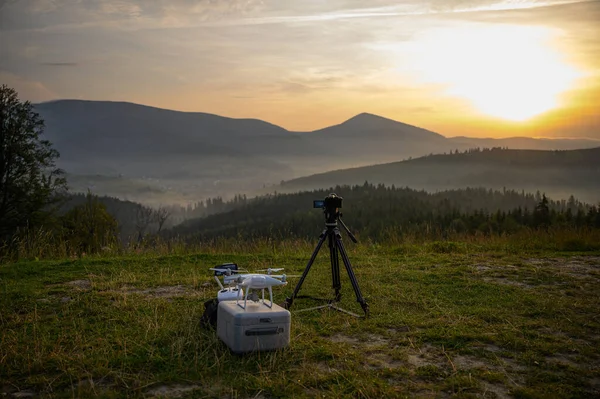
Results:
[318, 204]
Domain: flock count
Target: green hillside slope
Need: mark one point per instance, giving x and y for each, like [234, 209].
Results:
[558, 173]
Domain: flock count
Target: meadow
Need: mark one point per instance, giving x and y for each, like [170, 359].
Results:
[474, 318]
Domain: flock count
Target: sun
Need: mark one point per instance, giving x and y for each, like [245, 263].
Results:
[506, 71]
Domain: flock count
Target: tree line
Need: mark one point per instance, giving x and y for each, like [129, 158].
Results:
[379, 211]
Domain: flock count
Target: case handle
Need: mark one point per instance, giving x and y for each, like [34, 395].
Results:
[265, 331]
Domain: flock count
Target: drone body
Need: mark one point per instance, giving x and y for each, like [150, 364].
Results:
[258, 282]
[261, 281]
[237, 281]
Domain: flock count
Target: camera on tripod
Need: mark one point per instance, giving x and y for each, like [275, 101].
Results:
[332, 201]
[331, 206]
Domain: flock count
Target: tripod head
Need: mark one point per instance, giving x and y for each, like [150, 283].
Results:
[331, 208]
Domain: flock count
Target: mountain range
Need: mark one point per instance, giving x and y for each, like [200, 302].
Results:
[154, 155]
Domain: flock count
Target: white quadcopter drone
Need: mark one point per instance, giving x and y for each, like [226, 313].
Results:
[237, 281]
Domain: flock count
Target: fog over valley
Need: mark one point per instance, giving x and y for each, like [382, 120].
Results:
[156, 156]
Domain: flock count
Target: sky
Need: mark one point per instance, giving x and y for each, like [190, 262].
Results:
[483, 68]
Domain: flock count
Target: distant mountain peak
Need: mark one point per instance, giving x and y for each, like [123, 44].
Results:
[371, 124]
[370, 119]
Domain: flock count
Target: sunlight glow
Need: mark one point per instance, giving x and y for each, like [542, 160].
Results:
[511, 72]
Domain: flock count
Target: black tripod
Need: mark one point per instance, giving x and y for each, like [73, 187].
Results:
[334, 240]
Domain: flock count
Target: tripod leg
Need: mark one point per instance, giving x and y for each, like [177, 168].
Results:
[359, 297]
[290, 300]
[335, 266]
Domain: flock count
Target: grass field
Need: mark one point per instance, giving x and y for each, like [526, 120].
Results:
[447, 320]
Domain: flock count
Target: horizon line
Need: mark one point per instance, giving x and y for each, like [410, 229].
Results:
[322, 128]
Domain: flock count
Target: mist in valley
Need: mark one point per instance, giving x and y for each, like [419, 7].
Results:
[161, 158]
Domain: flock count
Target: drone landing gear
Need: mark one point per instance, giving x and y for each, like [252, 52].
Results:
[336, 247]
[269, 305]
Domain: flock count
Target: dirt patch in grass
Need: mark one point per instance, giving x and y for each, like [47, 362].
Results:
[491, 348]
[172, 391]
[427, 355]
[505, 372]
[325, 368]
[371, 341]
[463, 362]
[83, 285]
[432, 357]
[373, 346]
[522, 276]
[580, 267]
[10, 391]
[96, 387]
[344, 339]
[181, 391]
[564, 359]
[482, 268]
[399, 329]
[507, 281]
[169, 291]
[553, 332]
[494, 391]
[158, 292]
[24, 394]
[380, 360]
[374, 340]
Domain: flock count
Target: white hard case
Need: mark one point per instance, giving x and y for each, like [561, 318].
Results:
[256, 328]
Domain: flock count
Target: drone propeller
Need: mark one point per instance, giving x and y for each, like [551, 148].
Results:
[272, 269]
[227, 272]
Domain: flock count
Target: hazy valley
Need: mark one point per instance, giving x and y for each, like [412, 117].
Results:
[156, 156]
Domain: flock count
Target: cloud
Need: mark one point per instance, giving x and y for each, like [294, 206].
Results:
[395, 9]
[131, 15]
[44, 6]
[59, 64]
[5, 2]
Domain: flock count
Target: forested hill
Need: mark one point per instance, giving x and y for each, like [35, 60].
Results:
[376, 211]
[130, 216]
[558, 173]
[582, 158]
